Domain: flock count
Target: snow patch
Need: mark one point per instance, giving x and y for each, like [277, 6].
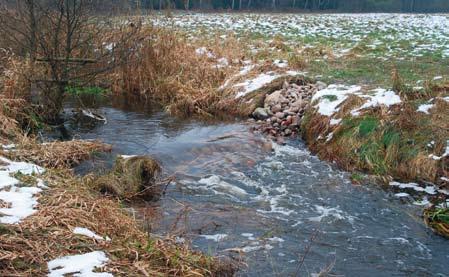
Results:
[256, 83]
[88, 233]
[21, 200]
[381, 97]
[331, 97]
[79, 265]
[203, 51]
[424, 108]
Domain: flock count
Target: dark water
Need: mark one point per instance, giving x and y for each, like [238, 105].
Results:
[236, 197]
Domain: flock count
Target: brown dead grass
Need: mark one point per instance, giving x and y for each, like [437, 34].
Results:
[396, 146]
[26, 248]
[57, 154]
[167, 70]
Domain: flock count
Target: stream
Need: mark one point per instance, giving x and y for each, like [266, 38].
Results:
[279, 208]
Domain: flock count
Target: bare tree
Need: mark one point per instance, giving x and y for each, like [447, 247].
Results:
[68, 42]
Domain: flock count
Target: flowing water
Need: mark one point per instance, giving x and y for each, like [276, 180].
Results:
[282, 210]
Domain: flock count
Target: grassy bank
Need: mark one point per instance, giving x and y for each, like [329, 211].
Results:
[43, 212]
[26, 248]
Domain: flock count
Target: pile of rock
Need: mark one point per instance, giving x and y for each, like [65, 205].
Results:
[283, 109]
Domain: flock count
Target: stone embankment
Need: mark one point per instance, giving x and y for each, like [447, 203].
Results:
[283, 110]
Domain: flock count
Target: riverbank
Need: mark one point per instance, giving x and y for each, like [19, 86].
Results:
[53, 221]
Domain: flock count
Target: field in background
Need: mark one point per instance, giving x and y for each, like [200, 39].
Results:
[344, 48]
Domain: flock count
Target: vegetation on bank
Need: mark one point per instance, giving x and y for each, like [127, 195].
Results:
[399, 142]
[35, 79]
[188, 77]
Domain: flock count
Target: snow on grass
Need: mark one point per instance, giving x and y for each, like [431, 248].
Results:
[203, 51]
[8, 146]
[243, 71]
[428, 189]
[335, 121]
[88, 233]
[260, 81]
[280, 63]
[381, 97]
[81, 265]
[222, 62]
[21, 200]
[445, 153]
[331, 97]
[420, 34]
[424, 108]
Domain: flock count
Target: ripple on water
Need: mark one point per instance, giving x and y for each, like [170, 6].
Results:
[236, 196]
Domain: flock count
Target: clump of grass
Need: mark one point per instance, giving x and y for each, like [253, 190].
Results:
[297, 61]
[26, 248]
[438, 220]
[132, 177]
[367, 125]
[384, 142]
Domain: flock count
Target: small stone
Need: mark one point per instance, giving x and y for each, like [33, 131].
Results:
[287, 132]
[294, 109]
[274, 98]
[276, 125]
[260, 113]
[295, 121]
[276, 108]
[280, 115]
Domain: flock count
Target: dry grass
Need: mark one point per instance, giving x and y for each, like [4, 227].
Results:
[26, 248]
[57, 154]
[438, 220]
[166, 69]
[384, 142]
[131, 178]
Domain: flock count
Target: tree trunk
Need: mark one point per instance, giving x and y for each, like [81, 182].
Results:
[240, 4]
[273, 4]
[249, 4]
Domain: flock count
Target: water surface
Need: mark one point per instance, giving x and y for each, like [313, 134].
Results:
[283, 211]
